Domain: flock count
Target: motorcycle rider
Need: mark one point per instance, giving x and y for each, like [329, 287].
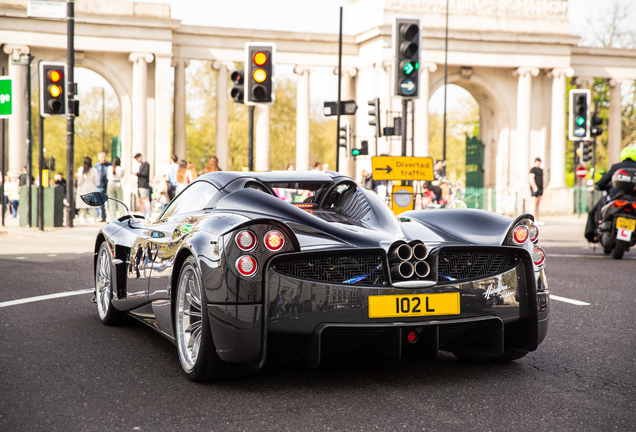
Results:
[628, 160]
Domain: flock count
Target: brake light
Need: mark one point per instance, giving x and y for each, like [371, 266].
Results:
[538, 256]
[533, 232]
[246, 265]
[246, 240]
[634, 205]
[520, 234]
[619, 203]
[274, 240]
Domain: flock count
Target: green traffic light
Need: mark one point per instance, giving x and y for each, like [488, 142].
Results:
[580, 121]
[355, 152]
[409, 68]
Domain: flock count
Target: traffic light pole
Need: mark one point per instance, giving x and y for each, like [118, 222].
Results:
[339, 89]
[40, 167]
[250, 138]
[3, 168]
[70, 119]
[405, 111]
[29, 143]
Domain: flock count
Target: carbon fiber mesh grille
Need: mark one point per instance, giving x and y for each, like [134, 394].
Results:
[365, 270]
[453, 266]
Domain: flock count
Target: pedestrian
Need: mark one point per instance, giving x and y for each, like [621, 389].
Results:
[143, 185]
[317, 166]
[172, 176]
[87, 179]
[182, 177]
[290, 167]
[191, 172]
[212, 166]
[535, 178]
[325, 167]
[61, 181]
[24, 177]
[13, 195]
[366, 180]
[115, 175]
[102, 185]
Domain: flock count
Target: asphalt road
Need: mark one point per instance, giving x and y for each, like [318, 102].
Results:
[62, 370]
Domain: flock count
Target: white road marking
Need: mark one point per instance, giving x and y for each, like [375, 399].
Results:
[567, 300]
[585, 256]
[52, 255]
[45, 297]
[20, 257]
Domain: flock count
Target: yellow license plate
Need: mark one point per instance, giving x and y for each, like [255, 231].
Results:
[413, 305]
[624, 223]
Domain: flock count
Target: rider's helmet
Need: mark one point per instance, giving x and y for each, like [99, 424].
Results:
[629, 152]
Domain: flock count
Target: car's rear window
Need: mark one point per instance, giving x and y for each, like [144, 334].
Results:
[296, 192]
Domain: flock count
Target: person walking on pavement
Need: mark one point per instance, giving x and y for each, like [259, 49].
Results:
[87, 179]
[115, 175]
[102, 185]
[182, 175]
[172, 176]
[535, 178]
[212, 166]
[143, 185]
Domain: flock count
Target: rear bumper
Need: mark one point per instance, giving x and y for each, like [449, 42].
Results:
[301, 321]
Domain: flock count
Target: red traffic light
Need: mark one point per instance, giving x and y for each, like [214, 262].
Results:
[55, 75]
[260, 58]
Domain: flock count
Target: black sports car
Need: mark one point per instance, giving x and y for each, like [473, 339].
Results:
[242, 266]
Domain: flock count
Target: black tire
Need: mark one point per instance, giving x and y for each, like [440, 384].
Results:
[619, 249]
[192, 328]
[507, 356]
[104, 271]
[607, 250]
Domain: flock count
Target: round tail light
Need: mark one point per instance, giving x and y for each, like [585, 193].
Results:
[520, 234]
[274, 240]
[246, 240]
[533, 232]
[246, 265]
[538, 256]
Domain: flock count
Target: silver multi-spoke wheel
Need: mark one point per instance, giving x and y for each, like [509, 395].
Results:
[189, 320]
[104, 279]
[103, 283]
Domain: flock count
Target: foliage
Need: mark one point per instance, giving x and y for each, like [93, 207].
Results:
[88, 129]
[201, 117]
[460, 122]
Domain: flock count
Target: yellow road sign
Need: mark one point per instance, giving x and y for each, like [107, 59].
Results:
[402, 168]
[402, 199]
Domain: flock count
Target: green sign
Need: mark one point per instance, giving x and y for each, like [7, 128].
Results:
[6, 97]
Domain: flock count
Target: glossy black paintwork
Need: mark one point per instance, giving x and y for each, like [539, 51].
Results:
[151, 255]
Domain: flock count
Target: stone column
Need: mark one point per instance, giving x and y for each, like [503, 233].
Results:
[17, 152]
[163, 65]
[614, 127]
[222, 151]
[557, 128]
[179, 128]
[140, 92]
[524, 105]
[302, 118]
[261, 137]
[421, 110]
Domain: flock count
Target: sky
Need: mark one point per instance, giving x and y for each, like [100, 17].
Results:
[284, 15]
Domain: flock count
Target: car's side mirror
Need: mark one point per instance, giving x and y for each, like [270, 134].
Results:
[94, 199]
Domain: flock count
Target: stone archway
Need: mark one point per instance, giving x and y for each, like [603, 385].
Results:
[494, 123]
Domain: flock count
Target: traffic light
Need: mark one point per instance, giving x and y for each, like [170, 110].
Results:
[579, 127]
[237, 91]
[343, 136]
[407, 40]
[259, 65]
[597, 121]
[586, 155]
[53, 89]
[375, 116]
[364, 148]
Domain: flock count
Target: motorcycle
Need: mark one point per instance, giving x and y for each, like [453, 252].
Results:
[618, 217]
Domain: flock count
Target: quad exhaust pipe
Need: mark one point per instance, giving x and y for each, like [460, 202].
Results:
[408, 259]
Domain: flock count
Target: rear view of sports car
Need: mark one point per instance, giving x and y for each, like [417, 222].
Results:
[244, 267]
